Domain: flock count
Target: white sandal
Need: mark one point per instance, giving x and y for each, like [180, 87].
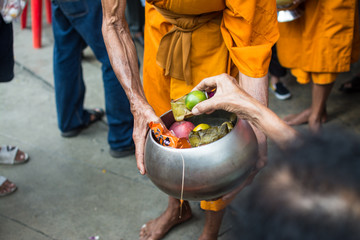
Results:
[8, 155]
[2, 181]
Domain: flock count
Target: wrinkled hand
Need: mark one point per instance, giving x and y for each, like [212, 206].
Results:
[229, 96]
[142, 117]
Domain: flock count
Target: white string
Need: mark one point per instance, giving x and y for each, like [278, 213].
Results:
[182, 185]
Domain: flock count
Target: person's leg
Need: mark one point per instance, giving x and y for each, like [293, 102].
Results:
[275, 68]
[6, 51]
[68, 79]
[276, 72]
[321, 88]
[157, 228]
[212, 225]
[320, 94]
[119, 117]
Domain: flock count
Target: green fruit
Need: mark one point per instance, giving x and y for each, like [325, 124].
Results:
[194, 98]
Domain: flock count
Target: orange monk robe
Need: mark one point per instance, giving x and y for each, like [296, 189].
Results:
[323, 42]
[240, 41]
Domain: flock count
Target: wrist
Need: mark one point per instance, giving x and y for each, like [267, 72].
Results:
[247, 108]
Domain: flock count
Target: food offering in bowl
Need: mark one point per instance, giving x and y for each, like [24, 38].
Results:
[182, 129]
[182, 107]
[206, 170]
[204, 134]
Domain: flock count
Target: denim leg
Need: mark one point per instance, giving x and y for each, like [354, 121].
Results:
[120, 119]
[118, 112]
[68, 78]
[6, 51]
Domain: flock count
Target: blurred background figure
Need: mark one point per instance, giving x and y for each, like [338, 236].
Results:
[309, 191]
[9, 155]
[276, 72]
[135, 17]
[353, 85]
[77, 25]
[316, 47]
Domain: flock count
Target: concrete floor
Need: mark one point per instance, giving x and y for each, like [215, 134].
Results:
[72, 188]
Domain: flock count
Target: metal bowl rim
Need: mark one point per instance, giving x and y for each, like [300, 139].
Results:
[166, 148]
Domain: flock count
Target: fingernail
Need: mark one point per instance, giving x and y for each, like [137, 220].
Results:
[141, 172]
[195, 111]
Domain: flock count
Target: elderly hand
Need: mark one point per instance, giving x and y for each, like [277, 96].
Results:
[143, 115]
[229, 96]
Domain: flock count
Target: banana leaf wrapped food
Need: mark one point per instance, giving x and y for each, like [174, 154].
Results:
[182, 107]
[179, 109]
[209, 135]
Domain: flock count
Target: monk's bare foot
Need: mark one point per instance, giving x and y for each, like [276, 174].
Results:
[315, 122]
[304, 117]
[157, 228]
[315, 126]
[297, 119]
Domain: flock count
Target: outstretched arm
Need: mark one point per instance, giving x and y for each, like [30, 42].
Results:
[123, 58]
[232, 98]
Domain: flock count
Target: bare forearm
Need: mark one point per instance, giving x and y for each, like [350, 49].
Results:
[276, 129]
[121, 50]
[262, 117]
[257, 88]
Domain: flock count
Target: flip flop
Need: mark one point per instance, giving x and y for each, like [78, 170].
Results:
[8, 155]
[351, 86]
[3, 182]
[97, 112]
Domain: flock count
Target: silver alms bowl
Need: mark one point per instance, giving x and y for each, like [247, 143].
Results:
[289, 15]
[211, 170]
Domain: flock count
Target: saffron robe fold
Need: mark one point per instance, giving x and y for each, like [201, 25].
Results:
[240, 40]
[324, 40]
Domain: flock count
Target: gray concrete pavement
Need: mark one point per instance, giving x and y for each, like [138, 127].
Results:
[72, 188]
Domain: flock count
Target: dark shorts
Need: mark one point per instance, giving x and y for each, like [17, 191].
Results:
[6, 51]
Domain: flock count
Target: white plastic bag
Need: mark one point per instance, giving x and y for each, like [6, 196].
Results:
[11, 9]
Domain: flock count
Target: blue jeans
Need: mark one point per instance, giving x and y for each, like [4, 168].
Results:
[77, 24]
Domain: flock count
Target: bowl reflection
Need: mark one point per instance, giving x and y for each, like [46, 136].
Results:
[283, 3]
[288, 10]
